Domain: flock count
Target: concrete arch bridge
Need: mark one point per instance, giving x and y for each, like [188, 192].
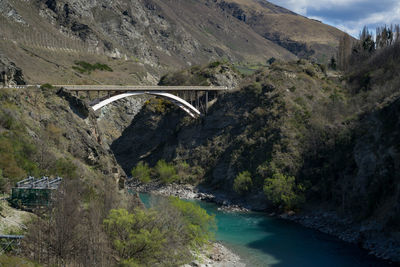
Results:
[191, 99]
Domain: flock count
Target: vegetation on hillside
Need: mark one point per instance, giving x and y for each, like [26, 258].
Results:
[242, 183]
[121, 232]
[167, 172]
[267, 124]
[26, 147]
[85, 67]
[88, 200]
[302, 132]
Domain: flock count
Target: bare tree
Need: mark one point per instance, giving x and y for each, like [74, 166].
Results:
[344, 52]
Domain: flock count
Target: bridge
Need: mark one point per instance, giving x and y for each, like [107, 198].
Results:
[191, 99]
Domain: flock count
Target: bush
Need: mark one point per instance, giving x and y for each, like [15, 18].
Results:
[142, 172]
[85, 67]
[64, 168]
[282, 190]
[46, 86]
[214, 64]
[199, 225]
[10, 167]
[54, 132]
[242, 183]
[134, 236]
[158, 105]
[8, 260]
[166, 172]
[271, 60]
[255, 88]
[16, 155]
[2, 181]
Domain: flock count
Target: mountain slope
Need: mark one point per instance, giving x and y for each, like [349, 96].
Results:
[143, 39]
[136, 38]
[300, 35]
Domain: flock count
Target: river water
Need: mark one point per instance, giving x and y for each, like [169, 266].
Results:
[261, 240]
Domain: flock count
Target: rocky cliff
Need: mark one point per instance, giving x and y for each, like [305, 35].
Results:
[10, 75]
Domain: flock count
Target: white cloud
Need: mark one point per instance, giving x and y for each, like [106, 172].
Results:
[301, 6]
[348, 15]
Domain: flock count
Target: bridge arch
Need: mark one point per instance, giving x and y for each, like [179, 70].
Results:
[184, 105]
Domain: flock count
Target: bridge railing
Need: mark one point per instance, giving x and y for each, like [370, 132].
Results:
[141, 88]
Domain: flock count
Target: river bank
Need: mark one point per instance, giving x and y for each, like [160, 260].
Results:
[216, 256]
[365, 235]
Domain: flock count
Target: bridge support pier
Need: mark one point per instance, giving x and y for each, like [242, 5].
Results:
[206, 102]
[197, 100]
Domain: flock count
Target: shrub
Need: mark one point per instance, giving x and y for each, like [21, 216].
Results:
[85, 67]
[64, 168]
[142, 172]
[134, 236]
[2, 181]
[214, 64]
[9, 260]
[54, 133]
[16, 158]
[271, 60]
[10, 167]
[199, 225]
[158, 105]
[282, 190]
[189, 174]
[242, 183]
[310, 71]
[166, 172]
[46, 86]
[255, 88]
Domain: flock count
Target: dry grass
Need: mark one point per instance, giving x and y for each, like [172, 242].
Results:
[269, 20]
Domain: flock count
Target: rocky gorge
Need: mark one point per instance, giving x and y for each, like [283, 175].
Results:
[231, 130]
[330, 137]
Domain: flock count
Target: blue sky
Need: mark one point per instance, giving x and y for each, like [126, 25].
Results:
[347, 15]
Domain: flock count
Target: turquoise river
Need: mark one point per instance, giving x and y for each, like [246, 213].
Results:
[261, 240]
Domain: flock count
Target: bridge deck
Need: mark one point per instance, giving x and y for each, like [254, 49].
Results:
[140, 88]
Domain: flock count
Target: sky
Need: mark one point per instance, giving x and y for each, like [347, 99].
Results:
[348, 15]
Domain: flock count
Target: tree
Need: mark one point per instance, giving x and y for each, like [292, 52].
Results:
[2, 181]
[199, 225]
[166, 172]
[366, 40]
[135, 236]
[332, 63]
[142, 172]
[282, 190]
[344, 52]
[56, 237]
[242, 183]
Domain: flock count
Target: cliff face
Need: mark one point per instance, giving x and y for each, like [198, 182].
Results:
[10, 75]
[44, 133]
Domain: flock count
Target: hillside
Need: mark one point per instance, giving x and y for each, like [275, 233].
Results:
[141, 40]
[288, 120]
[138, 39]
[304, 37]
